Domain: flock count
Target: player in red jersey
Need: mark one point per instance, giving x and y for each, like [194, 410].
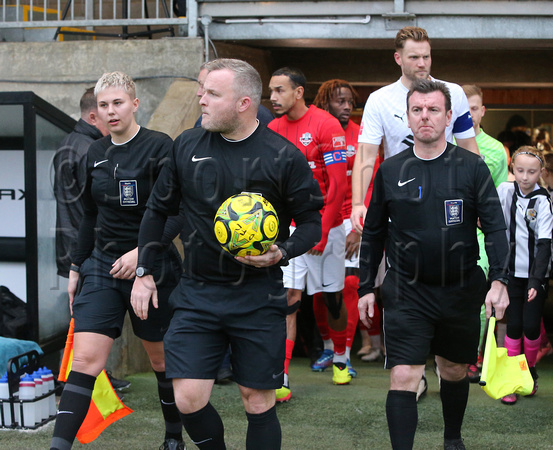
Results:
[321, 139]
[338, 97]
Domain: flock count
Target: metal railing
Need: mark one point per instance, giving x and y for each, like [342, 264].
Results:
[288, 19]
[87, 13]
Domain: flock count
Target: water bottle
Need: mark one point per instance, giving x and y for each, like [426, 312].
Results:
[48, 379]
[5, 396]
[27, 392]
[41, 409]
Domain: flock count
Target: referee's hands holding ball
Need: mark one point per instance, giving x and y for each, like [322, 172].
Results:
[270, 258]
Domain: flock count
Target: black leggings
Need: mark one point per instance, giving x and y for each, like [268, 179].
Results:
[524, 316]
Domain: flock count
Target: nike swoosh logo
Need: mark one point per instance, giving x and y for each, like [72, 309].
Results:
[403, 183]
[202, 442]
[97, 163]
[277, 375]
[194, 159]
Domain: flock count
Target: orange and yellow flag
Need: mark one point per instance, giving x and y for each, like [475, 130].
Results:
[105, 405]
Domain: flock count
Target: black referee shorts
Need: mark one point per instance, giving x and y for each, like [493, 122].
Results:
[251, 317]
[103, 300]
[421, 319]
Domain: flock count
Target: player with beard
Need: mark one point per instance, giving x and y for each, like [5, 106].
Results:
[384, 121]
[338, 97]
[321, 139]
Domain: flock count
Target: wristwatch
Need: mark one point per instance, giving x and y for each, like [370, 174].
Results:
[75, 268]
[142, 271]
[284, 260]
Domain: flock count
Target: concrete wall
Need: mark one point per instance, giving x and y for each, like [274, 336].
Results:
[59, 72]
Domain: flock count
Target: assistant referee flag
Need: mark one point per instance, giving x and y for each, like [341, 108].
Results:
[105, 405]
[502, 374]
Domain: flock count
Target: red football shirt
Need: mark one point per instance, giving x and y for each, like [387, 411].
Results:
[321, 139]
[352, 134]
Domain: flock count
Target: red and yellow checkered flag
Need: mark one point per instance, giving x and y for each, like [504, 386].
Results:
[105, 405]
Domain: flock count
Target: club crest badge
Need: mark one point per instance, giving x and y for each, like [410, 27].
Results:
[453, 212]
[531, 215]
[128, 193]
[350, 151]
[306, 139]
[338, 142]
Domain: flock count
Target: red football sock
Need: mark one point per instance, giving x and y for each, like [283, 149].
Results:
[351, 300]
[319, 310]
[339, 340]
[289, 351]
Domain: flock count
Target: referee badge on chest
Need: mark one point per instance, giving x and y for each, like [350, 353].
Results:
[453, 212]
[128, 193]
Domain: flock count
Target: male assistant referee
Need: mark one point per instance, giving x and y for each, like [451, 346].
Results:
[222, 299]
[424, 208]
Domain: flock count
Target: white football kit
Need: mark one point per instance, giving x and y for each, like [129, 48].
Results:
[385, 118]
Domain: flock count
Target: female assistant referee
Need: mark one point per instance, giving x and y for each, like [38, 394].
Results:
[121, 171]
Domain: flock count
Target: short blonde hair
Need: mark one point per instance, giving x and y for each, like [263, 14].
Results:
[117, 80]
[472, 89]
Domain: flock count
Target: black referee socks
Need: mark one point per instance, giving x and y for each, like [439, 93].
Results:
[73, 407]
[173, 424]
[402, 415]
[454, 395]
[205, 428]
[263, 431]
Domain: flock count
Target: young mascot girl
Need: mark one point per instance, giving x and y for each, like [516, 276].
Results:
[528, 214]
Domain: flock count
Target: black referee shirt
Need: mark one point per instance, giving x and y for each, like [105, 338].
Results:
[203, 170]
[425, 212]
[119, 181]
